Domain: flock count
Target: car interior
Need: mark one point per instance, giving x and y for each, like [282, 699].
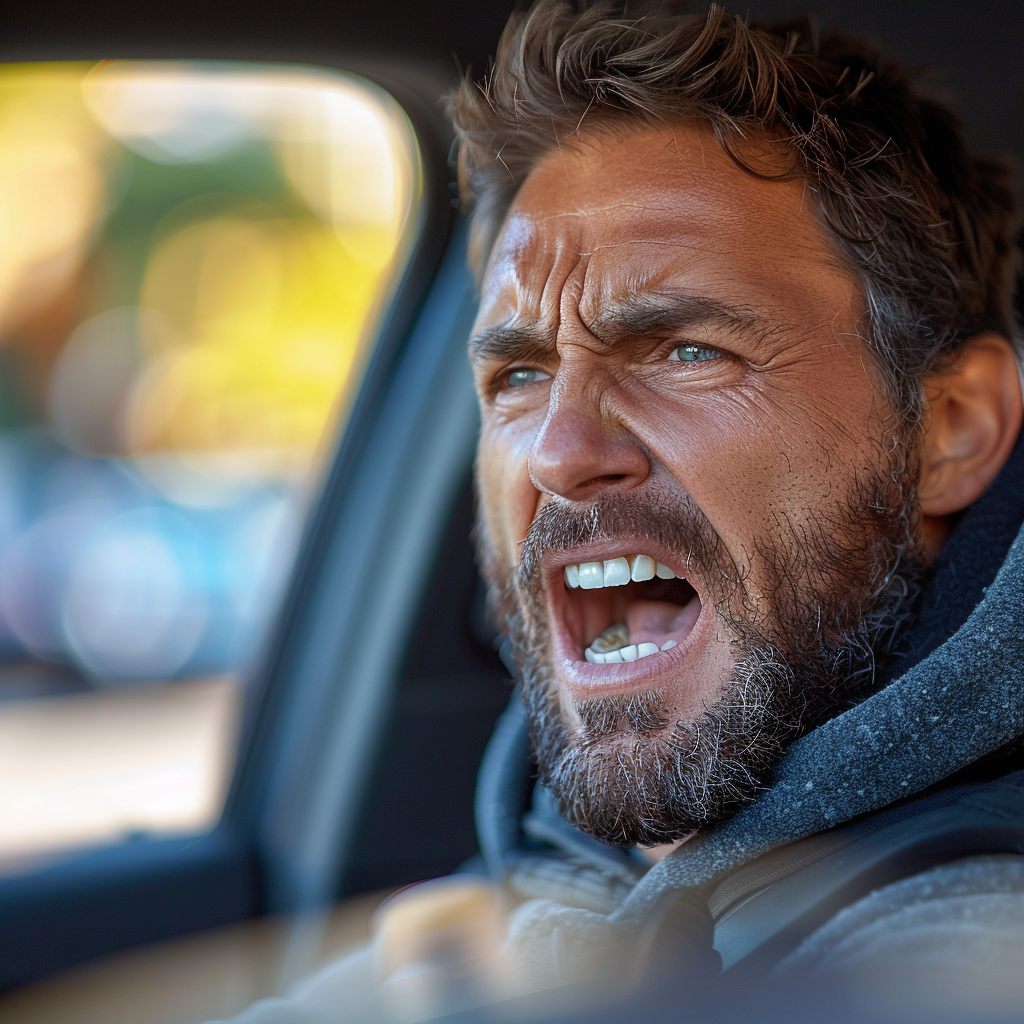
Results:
[247, 675]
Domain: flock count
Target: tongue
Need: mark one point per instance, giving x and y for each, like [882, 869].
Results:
[659, 621]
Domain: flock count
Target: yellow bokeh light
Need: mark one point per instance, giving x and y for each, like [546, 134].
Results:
[266, 315]
[54, 164]
[267, 309]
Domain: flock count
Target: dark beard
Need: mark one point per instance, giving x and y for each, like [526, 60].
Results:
[631, 774]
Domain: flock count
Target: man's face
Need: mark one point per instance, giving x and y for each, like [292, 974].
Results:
[674, 383]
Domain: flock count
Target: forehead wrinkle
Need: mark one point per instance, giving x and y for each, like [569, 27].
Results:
[620, 204]
[533, 329]
[524, 277]
[569, 293]
[673, 243]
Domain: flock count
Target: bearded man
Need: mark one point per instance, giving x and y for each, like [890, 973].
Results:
[742, 356]
[748, 471]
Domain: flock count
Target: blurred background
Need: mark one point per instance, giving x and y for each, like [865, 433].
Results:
[193, 257]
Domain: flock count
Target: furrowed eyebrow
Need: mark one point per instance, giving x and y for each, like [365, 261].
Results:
[510, 343]
[650, 314]
[636, 316]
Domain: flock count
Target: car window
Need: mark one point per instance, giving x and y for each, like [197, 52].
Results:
[195, 259]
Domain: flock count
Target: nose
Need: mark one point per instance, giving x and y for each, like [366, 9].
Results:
[582, 449]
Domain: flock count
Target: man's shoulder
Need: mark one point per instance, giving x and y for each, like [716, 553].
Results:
[952, 936]
[943, 848]
[941, 914]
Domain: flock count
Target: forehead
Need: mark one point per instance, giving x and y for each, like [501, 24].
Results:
[611, 215]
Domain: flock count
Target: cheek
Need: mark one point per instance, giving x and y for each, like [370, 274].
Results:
[754, 459]
[508, 499]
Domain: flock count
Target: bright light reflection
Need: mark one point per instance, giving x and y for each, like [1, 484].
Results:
[93, 768]
[336, 147]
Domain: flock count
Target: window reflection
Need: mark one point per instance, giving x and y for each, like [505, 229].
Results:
[192, 261]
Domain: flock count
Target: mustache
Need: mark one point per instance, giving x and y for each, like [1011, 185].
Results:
[677, 525]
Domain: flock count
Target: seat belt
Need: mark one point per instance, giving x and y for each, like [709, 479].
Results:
[764, 911]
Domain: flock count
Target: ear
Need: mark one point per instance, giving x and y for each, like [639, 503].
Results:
[973, 417]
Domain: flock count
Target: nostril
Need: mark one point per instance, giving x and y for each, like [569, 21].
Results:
[607, 480]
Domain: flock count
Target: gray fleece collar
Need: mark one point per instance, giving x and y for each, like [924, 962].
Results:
[963, 701]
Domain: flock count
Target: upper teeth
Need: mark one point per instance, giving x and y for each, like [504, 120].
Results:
[616, 572]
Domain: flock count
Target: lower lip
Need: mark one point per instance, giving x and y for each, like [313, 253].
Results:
[585, 680]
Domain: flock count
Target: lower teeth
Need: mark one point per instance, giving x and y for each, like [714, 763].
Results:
[611, 647]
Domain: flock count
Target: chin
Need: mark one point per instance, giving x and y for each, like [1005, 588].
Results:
[625, 768]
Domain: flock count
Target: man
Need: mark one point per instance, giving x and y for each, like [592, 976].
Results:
[746, 364]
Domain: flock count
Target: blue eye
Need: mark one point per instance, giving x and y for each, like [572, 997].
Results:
[694, 354]
[520, 378]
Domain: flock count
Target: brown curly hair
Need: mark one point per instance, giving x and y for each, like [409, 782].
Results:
[927, 227]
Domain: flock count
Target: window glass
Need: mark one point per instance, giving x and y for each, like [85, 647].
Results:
[193, 261]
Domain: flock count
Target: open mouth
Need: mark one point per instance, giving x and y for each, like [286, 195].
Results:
[625, 609]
